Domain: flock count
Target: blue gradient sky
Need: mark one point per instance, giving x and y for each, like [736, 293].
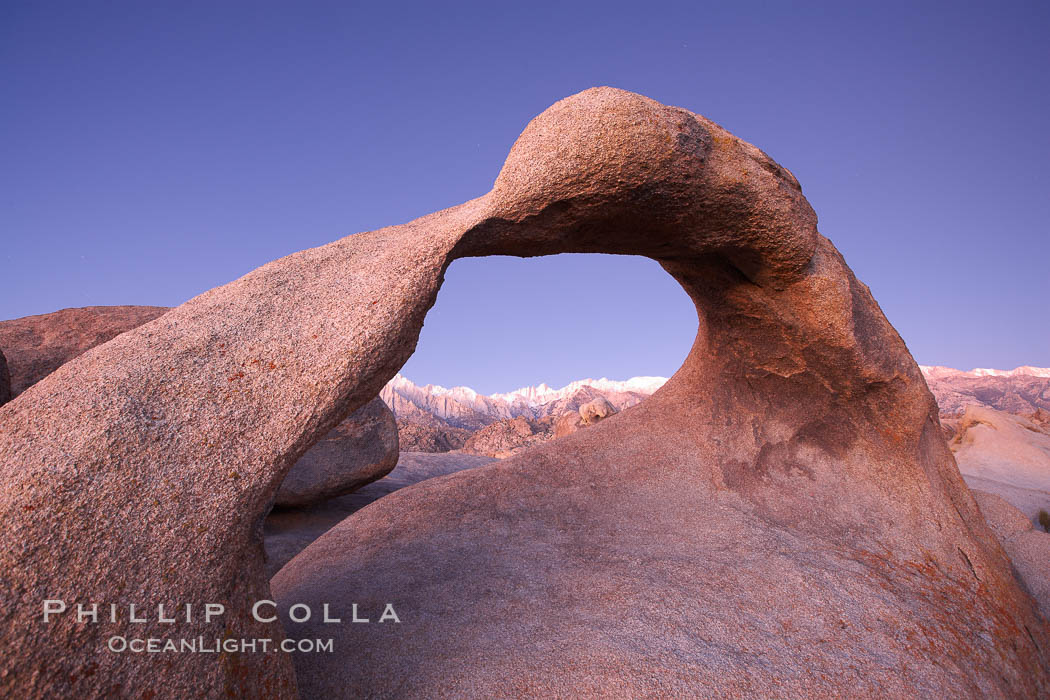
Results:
[150, 151]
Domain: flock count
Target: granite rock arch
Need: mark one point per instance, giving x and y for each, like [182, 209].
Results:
[798, 428]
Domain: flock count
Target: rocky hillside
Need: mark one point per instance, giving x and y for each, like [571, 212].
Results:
[1021, 390]
[508, 437]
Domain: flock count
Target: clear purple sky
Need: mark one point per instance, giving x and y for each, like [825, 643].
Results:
[152, 150]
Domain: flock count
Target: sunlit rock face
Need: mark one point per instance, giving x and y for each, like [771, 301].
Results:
[782, 518]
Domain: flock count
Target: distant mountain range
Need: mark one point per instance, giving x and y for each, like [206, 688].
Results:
[941, 372]
[462, 407]
[1021, 390]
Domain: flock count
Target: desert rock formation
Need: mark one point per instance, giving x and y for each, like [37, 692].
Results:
[567, 424]
[596, 410]
[359, 450]
[36, 346]
[1028, 548]
[713, 540]
[1006, 455]
[587, 414]
[431, 436]
[509, 437]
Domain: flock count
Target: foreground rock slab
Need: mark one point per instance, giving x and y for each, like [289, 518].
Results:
[359, 450]
[1007, 455]
[290, 530]
[782, 518]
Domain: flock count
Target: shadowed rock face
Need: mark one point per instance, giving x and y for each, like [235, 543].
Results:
[359, 450]
[782, 517]
[288, 531]
[5, 381]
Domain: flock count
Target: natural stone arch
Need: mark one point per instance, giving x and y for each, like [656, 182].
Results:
[798, 424]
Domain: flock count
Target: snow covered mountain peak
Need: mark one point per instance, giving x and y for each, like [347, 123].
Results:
[937, 371]
[461, 406]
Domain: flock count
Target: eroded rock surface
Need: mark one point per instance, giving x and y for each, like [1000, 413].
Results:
[588, 414]
[359, 450]
[596, 410]
[717, 539]
[567, 424]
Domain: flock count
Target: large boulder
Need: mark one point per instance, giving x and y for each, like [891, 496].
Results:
[596, 410]
[714, 540]
[567, 424]
[36, 346]
[588, 414]
[359, 450]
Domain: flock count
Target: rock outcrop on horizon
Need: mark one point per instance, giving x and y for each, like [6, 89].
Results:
[35, 346]
[596, 410]
[587, 414]
[361, 449]
[782, 518]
